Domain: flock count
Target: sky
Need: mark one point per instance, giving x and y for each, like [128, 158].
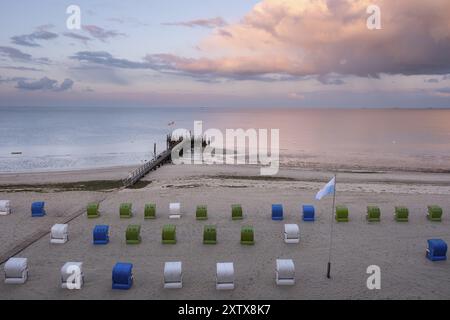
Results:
[235, 53]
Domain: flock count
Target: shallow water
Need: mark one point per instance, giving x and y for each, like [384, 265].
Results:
[67, 138]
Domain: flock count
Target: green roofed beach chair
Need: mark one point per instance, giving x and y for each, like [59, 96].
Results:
[373, 214]
[169, 234]
[93, 210]
[236, 212]
[401, 214]
[150, 211]
[201, 213]
[247, 236]
[341, 214]
[126, 210]
[434, 213]
[209, 235]
[133, 234]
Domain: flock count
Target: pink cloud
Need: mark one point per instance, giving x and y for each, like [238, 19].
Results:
[205, 23]
[319, 37]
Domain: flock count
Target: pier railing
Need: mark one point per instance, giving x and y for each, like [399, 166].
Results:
[164, 157]
[138, 173]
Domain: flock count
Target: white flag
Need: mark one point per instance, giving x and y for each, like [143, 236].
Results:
[329, 188]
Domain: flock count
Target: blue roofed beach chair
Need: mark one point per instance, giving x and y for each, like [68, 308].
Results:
[309, 213]
[38, 209]
[122, 276]
[277, 212]
[437, 250]
[101, 234]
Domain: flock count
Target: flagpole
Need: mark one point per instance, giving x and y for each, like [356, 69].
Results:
[331, 230]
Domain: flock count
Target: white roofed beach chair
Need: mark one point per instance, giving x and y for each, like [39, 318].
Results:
[285, 273]
[72, 276]
[173, 275]
[16, 271]
[175, 210]
[5, 207]
[59, 234]
[225, 276]
[291, 233]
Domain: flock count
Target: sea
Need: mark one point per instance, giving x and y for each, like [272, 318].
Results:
[40, 139]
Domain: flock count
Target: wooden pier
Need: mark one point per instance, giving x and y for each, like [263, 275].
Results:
[164, 157]
[141, 171]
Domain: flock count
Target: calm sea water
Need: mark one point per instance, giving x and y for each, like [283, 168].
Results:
[67, 138]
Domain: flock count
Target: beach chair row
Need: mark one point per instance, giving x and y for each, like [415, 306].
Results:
[434, 212]
[126, 211]
[401, 213]
[59, 234]
[72, 276]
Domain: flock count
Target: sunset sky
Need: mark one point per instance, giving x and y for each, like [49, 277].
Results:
[235, 53]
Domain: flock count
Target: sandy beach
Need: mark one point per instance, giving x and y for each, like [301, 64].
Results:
[398, 248]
